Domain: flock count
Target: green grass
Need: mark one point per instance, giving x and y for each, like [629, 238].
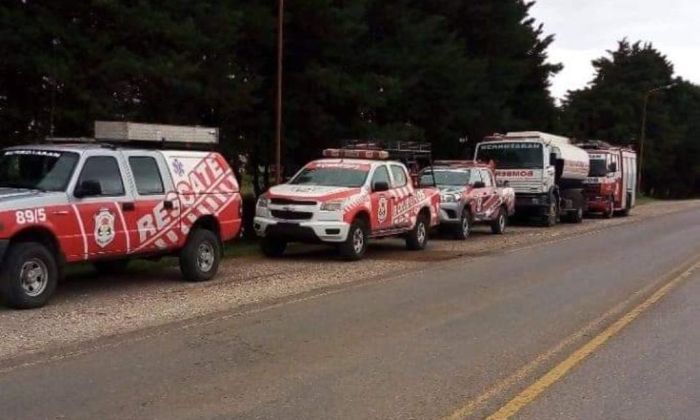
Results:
[643, 199]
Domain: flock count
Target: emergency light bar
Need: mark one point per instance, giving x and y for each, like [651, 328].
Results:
[356, 154]
[124, 131]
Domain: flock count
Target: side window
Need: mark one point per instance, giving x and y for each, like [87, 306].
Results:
[381, 175]
[486, 177]
[105, 171]
[399, 175]
[475, 177]
[146, 175]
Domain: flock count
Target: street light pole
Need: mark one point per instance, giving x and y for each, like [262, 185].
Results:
[278, 100]
[643, 135]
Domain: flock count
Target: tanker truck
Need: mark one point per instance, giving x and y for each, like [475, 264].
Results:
[546, 171]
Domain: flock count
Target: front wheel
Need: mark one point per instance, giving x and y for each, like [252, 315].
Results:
[355, 244]
[498, 226]
[200, 258]
[417, 238]
[550, 219]
[464, 229]
[29, 276]
[272, 248]
[576, 216]
[610, 209]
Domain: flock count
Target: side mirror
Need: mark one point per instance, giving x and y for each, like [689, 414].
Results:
[380, 186]
[88, 188]
[612, 167]
[479, 184]
[552, 159]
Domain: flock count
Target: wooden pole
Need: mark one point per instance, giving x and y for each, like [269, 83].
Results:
[278, 101]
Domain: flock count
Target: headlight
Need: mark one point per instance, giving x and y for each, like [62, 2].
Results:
[448, 198]
[332, 206]
[263, 202]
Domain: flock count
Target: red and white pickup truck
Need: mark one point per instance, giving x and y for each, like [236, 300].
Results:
[469, 195]
[344, 200]
[69, 202]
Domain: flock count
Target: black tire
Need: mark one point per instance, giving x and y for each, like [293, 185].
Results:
[498, 226]
[272, 248]
[200, 258]
[576, 216]
[29, 276]
[111, 266]
[417, 238]
[610, 211]
[464, 229]
[355, 245]
[550, 219]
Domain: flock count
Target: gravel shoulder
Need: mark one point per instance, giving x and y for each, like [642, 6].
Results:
[88, 307]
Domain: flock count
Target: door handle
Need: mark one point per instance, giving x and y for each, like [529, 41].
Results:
[128, 206]
[168, 205]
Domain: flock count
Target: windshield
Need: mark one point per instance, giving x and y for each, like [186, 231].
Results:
[599, 168]
[446, 178]
[36, 169]
[330, 177]
[512, 155]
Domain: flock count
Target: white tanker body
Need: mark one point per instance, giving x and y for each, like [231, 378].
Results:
[546, 172]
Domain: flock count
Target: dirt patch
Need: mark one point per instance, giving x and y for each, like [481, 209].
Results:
[87, 306]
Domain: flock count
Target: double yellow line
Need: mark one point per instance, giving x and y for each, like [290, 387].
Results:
[529, 394]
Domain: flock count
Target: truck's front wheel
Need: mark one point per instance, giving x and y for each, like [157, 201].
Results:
[200, 258]
[355, 245]
[29, 276]
[609, 209]
[550, 219]
[272, 248]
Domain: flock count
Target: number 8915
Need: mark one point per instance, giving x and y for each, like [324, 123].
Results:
[30, 216]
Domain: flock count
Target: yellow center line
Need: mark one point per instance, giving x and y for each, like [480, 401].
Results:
[538, 387]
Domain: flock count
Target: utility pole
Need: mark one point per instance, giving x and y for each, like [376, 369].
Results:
[643, 135]
[278, 101]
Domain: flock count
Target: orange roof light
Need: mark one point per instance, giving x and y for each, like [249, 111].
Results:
[356, 154]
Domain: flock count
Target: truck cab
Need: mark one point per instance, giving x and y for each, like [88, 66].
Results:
[71, 202]
[545, 171]
[344, 200]
[469, 195]
[611, 184]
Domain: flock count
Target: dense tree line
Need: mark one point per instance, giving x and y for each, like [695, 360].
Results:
[611, 107]
[390, 69]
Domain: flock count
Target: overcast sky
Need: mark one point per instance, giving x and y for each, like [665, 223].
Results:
[585, 29]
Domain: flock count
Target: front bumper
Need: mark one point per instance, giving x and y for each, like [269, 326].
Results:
[597, 203]
[531, 204]
[302, 231]
[450, 213]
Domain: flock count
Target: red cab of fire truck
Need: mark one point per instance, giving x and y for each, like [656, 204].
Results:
[546, 172]
[469, 195]
[68, 202]
[612, 181]
[345, 199]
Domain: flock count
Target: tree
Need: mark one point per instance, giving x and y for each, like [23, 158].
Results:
[611, 109]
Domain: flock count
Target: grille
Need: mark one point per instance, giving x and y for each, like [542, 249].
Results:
[287, 201]
[291, 215]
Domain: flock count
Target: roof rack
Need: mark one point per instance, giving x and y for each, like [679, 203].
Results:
[114, 134]
[415, 155]
[125, 131]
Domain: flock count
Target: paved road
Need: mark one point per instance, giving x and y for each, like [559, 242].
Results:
[464, 335]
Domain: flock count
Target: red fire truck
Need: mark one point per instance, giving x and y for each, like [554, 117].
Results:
[612, 181]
